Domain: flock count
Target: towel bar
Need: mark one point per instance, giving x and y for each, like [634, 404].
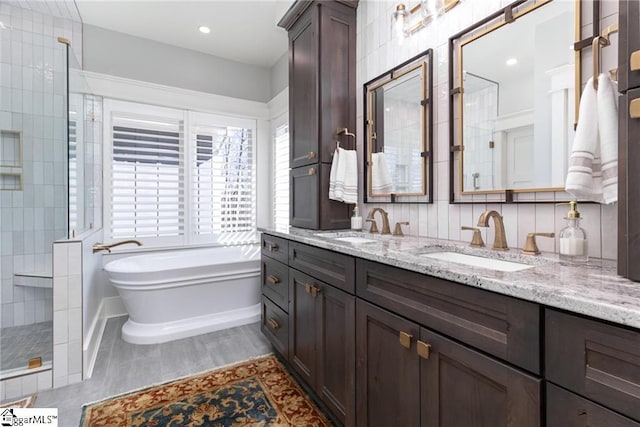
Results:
[598, 42]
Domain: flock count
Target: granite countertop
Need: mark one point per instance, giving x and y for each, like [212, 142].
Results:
[593, 289]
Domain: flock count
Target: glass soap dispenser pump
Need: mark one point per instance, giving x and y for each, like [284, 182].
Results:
[573, 238]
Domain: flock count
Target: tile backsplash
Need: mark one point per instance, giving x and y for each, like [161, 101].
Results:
[378, 50]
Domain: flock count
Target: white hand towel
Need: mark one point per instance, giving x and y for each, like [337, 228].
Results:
[608, 132]
[584, 178]
[333, 174]
[380, 176]
[343, 178]
[350, 160]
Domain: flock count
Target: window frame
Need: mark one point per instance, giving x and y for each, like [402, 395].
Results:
[188, 119]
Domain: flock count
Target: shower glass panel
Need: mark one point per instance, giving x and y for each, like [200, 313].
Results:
[33, 193]
[85, 153]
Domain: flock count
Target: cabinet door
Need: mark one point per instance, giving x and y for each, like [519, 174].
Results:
[565, 409]
[461, 388]
[336, 369]
[388, 380]
[629, 190]
[337, 77]
[594, 359]
[303, 195]
[310, 205]
[303, 90]
[628, 44]
[303, 326]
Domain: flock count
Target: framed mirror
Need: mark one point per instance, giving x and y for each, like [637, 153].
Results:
[515, 86]
[398, 128]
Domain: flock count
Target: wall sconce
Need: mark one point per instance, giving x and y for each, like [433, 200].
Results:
[403, 21]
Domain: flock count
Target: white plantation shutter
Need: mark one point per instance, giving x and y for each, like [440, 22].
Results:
[223, 178]
[281, 177]
[147, 176]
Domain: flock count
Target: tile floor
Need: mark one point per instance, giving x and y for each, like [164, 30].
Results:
[122, 367]
[21, 343]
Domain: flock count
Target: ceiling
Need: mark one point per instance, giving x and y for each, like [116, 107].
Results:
[241, 30]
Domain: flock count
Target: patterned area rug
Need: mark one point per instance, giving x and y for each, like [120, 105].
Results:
[26, 402]
[257, 392]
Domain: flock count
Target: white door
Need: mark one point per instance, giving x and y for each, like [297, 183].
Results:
[519, 157]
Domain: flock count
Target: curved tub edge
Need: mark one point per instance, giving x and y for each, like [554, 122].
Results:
[157, 333]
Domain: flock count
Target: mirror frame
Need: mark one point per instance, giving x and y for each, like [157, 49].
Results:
[424, 61]
[491, 23]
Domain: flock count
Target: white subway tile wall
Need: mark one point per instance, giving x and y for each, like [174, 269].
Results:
[378, 50]
[32, 91]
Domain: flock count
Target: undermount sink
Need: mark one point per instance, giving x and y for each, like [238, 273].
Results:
[353, 237]
[355, 240]
[478, 261]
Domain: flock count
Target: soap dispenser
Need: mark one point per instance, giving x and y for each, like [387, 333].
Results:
[356, 219]
[573, 239]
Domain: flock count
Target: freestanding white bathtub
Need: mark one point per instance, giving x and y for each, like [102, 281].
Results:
[178, 294]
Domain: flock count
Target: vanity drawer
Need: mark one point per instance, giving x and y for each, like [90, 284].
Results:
[594, 359]
[330, 267]
[275, 325]
[275, 247]
[505, 327]
[565, 409]
[275, 282]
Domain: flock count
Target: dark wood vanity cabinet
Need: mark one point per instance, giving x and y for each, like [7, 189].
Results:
[409, 349]
[320, 319]
[410, 375]
[322, 99]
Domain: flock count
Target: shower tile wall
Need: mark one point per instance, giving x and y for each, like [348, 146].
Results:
[378, 51]
[32, 100]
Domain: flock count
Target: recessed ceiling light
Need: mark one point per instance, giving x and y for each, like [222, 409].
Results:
[512, 61]
[204, 30]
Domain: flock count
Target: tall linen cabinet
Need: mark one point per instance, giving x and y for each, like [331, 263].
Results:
[322, 106]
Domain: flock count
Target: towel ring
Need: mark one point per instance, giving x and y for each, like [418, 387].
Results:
[598, 42]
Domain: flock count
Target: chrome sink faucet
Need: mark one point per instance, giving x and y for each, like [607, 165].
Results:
[500, 240]
[385, 221]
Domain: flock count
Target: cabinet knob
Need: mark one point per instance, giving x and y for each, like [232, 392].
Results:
[274, 324]
[274, 280]
[423, 349]
[634, 108]
[405, 339]
[311, 155]
[311, 171]
[634, 61]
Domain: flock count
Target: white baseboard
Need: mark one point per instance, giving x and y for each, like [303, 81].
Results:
[109, 307]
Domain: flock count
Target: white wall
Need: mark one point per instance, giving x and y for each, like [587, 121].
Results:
[123, 55]
[378, 52]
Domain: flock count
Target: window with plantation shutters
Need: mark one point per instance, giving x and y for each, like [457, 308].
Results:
[223, 182]
[281, 177]
[179, 177]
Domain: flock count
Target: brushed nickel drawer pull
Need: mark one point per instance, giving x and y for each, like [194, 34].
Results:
[405, 339]
[311, 171]
[273, 324]
[272, 247]
[634, 108]
[423, 349]
[634, 61]
[274, 280]
[311, 155]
